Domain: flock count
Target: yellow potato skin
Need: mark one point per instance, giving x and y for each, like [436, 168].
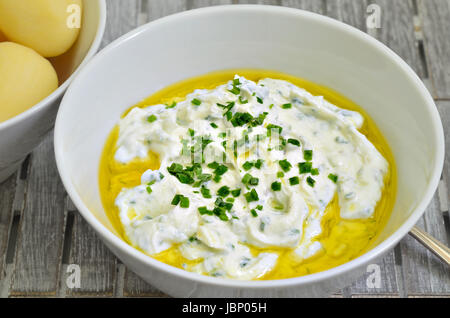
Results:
[39, 24]
[25, 79]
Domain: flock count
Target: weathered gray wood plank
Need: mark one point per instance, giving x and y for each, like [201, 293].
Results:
[436, 28]
[388, 281]
[268, 2]
[397, 31]
[352, 12]
[423, 272]
[97, 263]
[136, 287]
[41, 233]
[193, 4]
[444, 110]
[122, 17]
[7, 190]
[162, 8]
[317, 6]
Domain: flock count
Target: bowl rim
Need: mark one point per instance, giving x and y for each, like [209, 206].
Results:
[62, 88]
[137, 256]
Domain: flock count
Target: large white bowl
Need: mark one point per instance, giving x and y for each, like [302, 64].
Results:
[287, 40]
[22, 133]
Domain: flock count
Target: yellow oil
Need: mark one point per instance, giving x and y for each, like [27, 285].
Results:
[342, 240]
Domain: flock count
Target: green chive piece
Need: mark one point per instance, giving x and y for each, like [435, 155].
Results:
[280, 174]
[184, 202]
[307, 155]
[294, 181]
[223, 191]
[242, 101]
[214, 125]
[251, 196]
[259, 207]
[305, 167]
[286, 106]
[151, 118]
[258, 163]
[294, 142]
[285, 165]
[171, 105]
[254, 213]
[259, 99]
[149, 190]
[220, 170]
[315, 172]
[235, 90]
[276, 186]
[333, 177]
[205, 192]
[246, 179]
[235, 193]
[247, 165]
[176, 199]
[191, 132]
[310, 182]
[196, 102]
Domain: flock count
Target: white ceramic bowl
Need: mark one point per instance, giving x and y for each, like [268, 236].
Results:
[22, 133]
[267, 37]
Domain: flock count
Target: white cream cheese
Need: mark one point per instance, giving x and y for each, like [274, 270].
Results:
[292, 174]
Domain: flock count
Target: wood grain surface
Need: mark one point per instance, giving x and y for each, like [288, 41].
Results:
[42, 234]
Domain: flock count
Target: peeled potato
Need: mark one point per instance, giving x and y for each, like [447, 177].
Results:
[47, 26]
[25, 79]
[2, 37]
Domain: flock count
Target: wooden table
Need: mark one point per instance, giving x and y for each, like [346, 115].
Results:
[41, 232]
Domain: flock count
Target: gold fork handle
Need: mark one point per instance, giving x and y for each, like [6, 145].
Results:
[438, 249]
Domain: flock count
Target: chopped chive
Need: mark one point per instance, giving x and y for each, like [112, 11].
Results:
[151, 118]
[220, 170]
[236, 82]
[333, 177]
[307, 155]
[242, 101]
[217, 178]
[235, 90]
[247, 165]
[315, 172]
[251, 196]
[286, 106]
[276, 186]
[254, 213]
[246, 179]
[235, 193]
[305, 167]
[294, 181]
[222, 135]
[258, 163]
[205, 193]
[280, 174]
[273, 127]
[171, 105]
[259, 99]
[196, 102]
[149, 190]
[285, 165]
[213, 165]
[176, 199]
[294, 142]
[191, 132]
[184, 202]
[223, 191]
[310, 181]
[213, 125]
[259, 207]
[253, 181]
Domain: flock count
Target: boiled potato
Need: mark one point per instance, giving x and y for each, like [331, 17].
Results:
[47, 26]
[25, 79]
[2, 37]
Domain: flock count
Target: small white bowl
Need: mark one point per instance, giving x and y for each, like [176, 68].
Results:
[22, 133]
[288, 40]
